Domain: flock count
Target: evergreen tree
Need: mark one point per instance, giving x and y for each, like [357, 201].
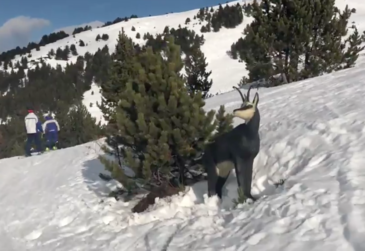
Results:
[224, 122]
[197, 75]
[24, 62]
[105, 37]
[14, 137]
[300, 39]
[228, 17]
[78, 127]
[124, 54]
[158, 124]
[59, 54]
[51, 53]
[73, 50]
[66, 52]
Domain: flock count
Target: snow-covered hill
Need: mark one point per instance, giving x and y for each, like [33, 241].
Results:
[226, 72]
[215, 47]
[313, 135]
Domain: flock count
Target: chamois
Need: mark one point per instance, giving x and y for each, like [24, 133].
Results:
[235, 149]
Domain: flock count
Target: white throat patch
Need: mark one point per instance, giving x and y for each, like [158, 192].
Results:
[247, 114]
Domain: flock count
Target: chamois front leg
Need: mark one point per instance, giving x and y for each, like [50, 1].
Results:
[247, 177]
[244, 169]
[210, 168]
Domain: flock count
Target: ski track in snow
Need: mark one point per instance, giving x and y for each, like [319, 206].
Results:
[312, 135]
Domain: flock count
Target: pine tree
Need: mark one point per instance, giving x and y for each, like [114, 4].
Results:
[224, 122]
[73, 50]
[51, 53]
[105, 37]
[298, 39]
[14, 137]
[159, 125]
[78, 127]
[59, 54]
[166, 30]
[16, 149]
[24, 62]
[197, 75]
[124, 56]
[66, 52]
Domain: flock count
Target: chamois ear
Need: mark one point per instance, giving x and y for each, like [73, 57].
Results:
[256, 99]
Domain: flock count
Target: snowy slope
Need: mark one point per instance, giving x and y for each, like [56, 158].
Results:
[91, 100]
[313, 135]
[215, 47]
[226, 72]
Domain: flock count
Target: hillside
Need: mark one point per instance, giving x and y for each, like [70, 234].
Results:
[56, 201]
[215, 47]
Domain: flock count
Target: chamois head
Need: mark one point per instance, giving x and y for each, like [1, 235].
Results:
[248, 108]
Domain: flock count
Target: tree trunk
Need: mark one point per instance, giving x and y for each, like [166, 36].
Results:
[159, 192]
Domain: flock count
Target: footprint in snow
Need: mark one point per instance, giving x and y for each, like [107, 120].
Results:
[107, 219]
[65, 221]
[256, 238]
[33, 235]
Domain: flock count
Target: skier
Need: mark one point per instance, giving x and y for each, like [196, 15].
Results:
[33, 127]
[51, 129]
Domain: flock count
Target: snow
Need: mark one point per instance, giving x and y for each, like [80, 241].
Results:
[91, 100]
[313, 136]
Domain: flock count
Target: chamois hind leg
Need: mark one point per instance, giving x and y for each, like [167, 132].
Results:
[244, 169]
[219, 185]
[210, 168]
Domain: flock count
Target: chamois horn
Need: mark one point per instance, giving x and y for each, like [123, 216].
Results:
[248, 93]
[239, 91]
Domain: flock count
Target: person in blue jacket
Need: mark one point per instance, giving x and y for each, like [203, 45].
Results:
[51, 129]
[33, 128]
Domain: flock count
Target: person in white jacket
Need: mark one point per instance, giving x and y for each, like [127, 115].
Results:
[33, 128]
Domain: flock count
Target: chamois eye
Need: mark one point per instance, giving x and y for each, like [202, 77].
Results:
[247, 106]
